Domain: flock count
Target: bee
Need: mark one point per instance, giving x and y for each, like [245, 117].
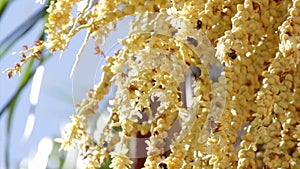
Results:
[232, 54]
[199, 25]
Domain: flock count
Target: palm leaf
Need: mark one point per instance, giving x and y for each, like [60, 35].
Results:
[3, 5]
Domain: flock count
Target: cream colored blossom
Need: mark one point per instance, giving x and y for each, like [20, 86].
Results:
[247, 119]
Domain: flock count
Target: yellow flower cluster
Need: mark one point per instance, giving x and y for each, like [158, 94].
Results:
[249, 118]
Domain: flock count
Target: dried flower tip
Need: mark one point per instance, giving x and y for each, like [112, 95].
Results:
[214, 125]
[98, 51]
[37, 57]
[39, 42]
[95, 3]
[17, 65]
[10, 74]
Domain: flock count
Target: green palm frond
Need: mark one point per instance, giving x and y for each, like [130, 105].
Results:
[3, 5]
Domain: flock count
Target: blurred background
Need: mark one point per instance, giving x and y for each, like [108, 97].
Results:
[36, 105]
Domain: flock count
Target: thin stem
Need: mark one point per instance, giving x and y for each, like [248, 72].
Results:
[87, 37]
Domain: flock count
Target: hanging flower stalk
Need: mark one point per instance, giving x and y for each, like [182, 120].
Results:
[248, 118]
